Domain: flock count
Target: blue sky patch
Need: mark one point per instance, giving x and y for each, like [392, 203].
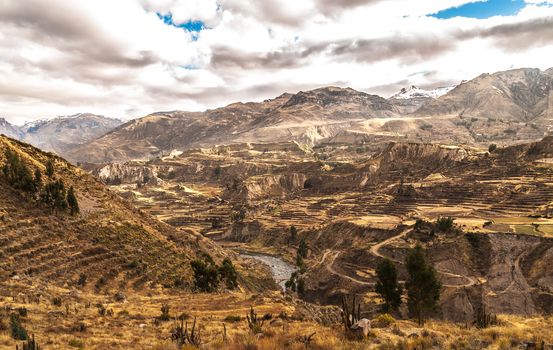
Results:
[191, 26]
[483, 9]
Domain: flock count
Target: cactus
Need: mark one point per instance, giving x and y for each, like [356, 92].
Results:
[181, 336]
[31, 344]
[255, 324]
[350, 315]
[483, 319]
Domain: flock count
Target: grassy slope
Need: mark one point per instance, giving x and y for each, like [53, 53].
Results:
[110, 242]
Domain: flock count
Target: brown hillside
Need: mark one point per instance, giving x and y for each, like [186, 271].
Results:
[109, 242]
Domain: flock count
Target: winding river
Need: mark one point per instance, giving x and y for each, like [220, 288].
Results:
[280, 269]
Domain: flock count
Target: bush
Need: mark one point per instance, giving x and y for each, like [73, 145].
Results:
[82, 280]
[56, 301]
[239, 215]
[492, 147]
[22, 311]
[445, 224]
[233, 318]
[18, 332]
[76, 343]
[383, 321]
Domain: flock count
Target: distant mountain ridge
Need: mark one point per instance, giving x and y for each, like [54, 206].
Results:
[62, 133]
[505, 107]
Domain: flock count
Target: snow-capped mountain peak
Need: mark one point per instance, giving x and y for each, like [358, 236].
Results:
[416, 92]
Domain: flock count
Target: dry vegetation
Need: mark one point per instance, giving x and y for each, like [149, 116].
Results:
[221, 321]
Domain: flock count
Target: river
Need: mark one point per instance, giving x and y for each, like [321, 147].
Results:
[280, 269]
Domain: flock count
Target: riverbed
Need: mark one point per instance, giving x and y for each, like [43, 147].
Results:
[280, 269]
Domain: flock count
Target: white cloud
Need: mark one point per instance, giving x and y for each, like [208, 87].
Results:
[119, 59]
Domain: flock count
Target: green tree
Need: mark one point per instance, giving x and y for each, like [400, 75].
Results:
[38, 178]
[299, 260]
[72, 201]
[291, 283]
[227, 272]
[17, 174]
[206, 275]
[387, 285]
[300, 286]
[54, 195]
[423, 286]
[293, 233]
[50, 168]
[302, 248]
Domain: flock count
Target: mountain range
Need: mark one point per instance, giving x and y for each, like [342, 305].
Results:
[506, 107]
[62, 133]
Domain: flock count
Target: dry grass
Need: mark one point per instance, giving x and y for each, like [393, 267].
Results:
[134, 325]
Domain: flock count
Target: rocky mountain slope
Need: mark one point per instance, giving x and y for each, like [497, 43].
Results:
[10, 130]
[505, 107]
[60, 134]
[521, 95]
[306, 117]
[108, 245]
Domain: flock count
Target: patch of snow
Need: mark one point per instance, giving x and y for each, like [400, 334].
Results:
[416, 92]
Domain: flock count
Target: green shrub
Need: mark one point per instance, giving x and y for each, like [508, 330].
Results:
[445, 224]
[383, 321]
[76, 343]
[18, 332]
[22, 311]
[227, 272]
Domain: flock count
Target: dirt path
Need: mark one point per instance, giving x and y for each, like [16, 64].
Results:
[375, 250]
[330, 269]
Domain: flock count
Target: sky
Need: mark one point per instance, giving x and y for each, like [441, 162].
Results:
[128, 58]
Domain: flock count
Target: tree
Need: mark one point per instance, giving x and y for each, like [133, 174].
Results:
[492, 147]
[423, 286]
[72, 201]
[293, 233]
[300, 286]
[299, 260]
[50, 168]
[38, 178]
[387, 285]
[206, 276]
[228, 274]
[54, 195]
[302, 249]
[17, 174]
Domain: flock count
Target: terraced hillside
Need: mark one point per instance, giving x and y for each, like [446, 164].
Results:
[109, 245]
[344, 202]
